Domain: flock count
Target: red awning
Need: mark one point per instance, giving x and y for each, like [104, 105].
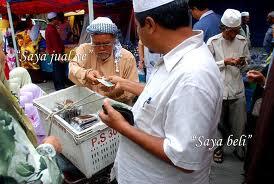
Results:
[43, 6]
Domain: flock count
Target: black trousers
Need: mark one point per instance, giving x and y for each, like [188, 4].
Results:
[59, 75]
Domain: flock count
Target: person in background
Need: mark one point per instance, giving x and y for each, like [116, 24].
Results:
[147, 59]
[102, 58]
[268, 39]
[3, 62]
[260, 79]
[245, 31]
[181, 100]
[8, 44]
[9, 51]
[28, 42]
[55, 47]
[231, 54]
[64, 28]
[28, 93]
[260, 168]
[19, 77]
[208, 21]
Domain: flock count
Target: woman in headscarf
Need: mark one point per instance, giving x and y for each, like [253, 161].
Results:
[28, 41]
[20, 161]
[36, 91]
[19, 77]
[29, 93]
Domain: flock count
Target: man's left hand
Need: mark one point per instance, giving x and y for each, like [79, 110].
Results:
[113, 118]
[240, 61]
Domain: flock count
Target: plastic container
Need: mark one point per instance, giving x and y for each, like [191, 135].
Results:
[90, 150]
[142, 76]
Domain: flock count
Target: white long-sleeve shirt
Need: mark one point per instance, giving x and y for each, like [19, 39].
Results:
[231, 75]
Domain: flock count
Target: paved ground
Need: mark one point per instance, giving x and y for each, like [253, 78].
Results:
[229, 172]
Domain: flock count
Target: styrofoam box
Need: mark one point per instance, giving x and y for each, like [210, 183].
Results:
[90, 150]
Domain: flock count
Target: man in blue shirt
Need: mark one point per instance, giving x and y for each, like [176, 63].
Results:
[208, 21]
[268, 39]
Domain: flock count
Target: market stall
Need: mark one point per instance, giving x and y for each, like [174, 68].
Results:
[120, 11]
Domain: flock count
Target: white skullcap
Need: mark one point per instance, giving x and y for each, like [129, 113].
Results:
[102, 25]
[51, 15]
[144, 5]
[245, 14]
[231, 18]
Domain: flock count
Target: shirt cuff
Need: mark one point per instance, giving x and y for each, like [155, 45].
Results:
[46, 150]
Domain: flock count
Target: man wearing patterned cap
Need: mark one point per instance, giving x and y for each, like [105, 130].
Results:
[103, 57]
[180, 104]
[231, 53]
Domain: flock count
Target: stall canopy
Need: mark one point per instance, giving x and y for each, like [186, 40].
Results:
[45, 6]
[118, 10]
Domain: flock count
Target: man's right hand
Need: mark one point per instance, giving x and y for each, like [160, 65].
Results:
[117, 81]
[92, 77]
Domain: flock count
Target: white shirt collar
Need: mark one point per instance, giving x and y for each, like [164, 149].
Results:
[206, 14]
[176, 54]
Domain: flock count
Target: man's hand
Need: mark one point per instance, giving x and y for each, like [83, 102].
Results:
[150, 143]
[105, 88]
[230, 61]
[118, 81]
[240, 61]
[55, 142]
[256, 76]
[113, 118]
[116, 90]
[115, 80]
[92, 77]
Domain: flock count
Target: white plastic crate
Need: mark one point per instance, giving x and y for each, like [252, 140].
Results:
[90, 150]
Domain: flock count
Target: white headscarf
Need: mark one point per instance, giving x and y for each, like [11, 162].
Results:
[19, 77]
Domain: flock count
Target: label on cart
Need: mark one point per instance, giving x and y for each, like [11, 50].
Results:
[103, 137]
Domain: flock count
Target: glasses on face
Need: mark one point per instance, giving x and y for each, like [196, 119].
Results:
[102, 45]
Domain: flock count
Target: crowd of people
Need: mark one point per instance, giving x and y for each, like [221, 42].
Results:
[194, 87]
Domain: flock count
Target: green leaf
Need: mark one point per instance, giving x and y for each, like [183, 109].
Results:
[43, 164]
[4, 165]
[7, 146]
[7, 180]
[24, 169]
[6, 117]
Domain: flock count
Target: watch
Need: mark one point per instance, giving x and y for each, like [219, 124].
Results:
[46, 150]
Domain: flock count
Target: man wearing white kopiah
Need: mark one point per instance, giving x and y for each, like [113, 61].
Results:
[231, 53]
[245, 31]
[181, 100]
